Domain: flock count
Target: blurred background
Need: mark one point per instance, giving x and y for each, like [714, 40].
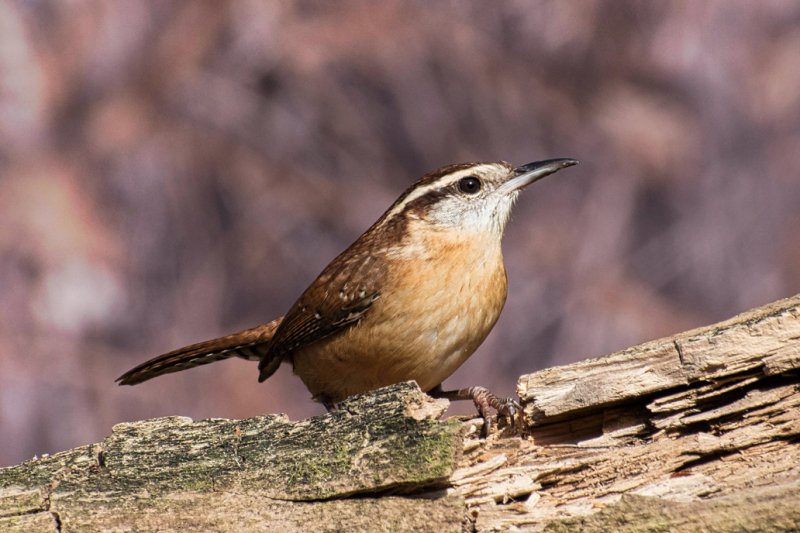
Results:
[173, 171]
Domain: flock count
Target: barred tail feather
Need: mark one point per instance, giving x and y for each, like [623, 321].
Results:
[249, 344]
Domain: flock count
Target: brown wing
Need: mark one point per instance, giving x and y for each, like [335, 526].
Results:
[337, 299]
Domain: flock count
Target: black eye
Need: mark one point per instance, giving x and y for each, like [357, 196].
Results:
[469, 185]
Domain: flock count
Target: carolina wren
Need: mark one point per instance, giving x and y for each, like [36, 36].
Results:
[412, 298]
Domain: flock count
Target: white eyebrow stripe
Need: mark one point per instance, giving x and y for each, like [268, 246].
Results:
[438, 184]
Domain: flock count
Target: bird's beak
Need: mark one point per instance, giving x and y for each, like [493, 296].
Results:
[524, 175]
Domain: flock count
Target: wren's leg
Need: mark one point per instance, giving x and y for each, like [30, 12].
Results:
[483, 400]
[327, 403]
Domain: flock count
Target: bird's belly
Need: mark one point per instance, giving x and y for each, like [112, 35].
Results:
[422, 331]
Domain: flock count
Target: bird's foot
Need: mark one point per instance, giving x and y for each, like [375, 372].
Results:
[329, 404]
[483, 399]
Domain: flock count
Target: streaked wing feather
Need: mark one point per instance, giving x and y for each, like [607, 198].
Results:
[344, 293]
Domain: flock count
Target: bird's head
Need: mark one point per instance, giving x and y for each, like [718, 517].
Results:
[469, 197]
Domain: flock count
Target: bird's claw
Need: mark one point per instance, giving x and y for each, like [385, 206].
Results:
[507, 407]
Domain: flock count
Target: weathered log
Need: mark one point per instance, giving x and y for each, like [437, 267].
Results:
[358, 469]
[697, 432]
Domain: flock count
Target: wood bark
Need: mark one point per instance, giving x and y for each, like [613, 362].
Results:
[696, 432]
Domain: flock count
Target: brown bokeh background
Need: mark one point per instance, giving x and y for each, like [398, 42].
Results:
[173, 171]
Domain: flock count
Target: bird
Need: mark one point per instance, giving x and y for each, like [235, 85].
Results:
[411, 299]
